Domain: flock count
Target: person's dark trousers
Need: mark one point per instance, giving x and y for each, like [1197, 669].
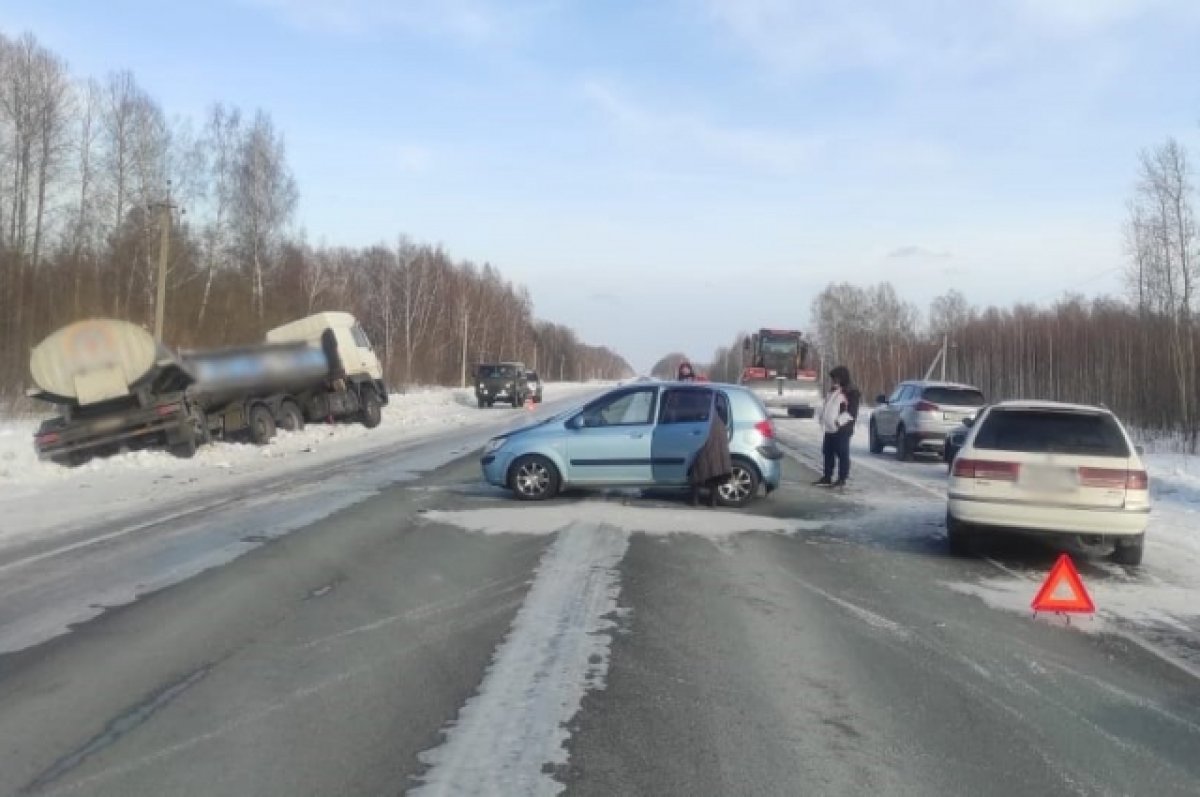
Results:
[829, 449]
[836, 450]
[842, 449]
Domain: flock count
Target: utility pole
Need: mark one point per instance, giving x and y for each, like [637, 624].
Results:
[466, 318]
[164, 251]
[945, 340]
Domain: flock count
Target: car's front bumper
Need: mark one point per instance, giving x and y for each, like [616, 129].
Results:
[1049, 518]
[495, 467]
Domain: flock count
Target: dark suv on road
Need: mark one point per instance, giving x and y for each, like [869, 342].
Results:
[505, 382]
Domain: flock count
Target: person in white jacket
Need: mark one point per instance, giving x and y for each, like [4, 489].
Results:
[838, 416]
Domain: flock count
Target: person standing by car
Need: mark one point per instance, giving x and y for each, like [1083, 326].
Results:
[685, 373]
[839, 414]
[713, 465]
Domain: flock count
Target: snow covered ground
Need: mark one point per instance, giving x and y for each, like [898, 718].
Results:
[37, 497]
[1157, 602]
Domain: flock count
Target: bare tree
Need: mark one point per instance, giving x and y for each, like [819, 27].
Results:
[264, 197]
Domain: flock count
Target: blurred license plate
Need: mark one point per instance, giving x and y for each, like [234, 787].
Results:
[953, 416]
[1047, 479]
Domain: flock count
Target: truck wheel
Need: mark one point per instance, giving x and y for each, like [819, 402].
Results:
[262, 425]
[186, 448]
[372, 410]
[290, 418]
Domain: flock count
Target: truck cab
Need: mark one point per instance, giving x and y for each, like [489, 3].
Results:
[354, 348]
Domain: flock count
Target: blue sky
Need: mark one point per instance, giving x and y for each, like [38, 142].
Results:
[663, 174]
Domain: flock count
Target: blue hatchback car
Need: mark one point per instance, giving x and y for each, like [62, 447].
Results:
[645, 434]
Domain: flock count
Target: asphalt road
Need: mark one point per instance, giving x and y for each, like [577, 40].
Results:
[613, 645]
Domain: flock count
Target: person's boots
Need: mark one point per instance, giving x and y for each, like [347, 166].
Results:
[840, 484]
[823, 482]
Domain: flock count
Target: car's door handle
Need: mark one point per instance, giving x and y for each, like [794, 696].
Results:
[637, 435]
[697, 433]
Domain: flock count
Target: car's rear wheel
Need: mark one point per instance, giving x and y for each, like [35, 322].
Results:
[903, 445]
[262, 425]
[1129, 551]
[875, 442]
[958, 536]
[482, 403]
[533, 478]
[741, 487]
[290, 418]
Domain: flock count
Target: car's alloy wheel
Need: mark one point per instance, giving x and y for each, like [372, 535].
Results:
[740, 487]
[533, 479]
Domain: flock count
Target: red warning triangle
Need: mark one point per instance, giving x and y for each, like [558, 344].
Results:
[1063, 578]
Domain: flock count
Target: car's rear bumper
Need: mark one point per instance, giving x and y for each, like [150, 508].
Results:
[1048, 518]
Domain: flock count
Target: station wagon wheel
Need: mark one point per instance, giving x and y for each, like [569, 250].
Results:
[741, 487]
[533, 478]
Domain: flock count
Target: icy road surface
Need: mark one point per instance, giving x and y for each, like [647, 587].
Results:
[435, 637]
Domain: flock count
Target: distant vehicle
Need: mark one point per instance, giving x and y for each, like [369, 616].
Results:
[115, 387]
[640, 435]
[919, 415]
[1050, 468]
[535, 386]
[504, 382]
[776, 369]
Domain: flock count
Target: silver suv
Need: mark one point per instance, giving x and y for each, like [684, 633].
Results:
[918, 415]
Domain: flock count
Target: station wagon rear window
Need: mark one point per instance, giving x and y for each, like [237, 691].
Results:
[1052, 432]
[954, 396]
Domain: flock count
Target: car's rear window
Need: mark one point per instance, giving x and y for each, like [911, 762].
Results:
[954, 396]
[1052, 432]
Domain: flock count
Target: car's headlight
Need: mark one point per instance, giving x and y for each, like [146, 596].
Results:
[495, 444]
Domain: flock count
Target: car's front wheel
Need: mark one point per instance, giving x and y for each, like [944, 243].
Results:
[534, 478]
[741, 487]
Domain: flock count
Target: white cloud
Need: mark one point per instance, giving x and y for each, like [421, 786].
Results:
[692, 136]
[921, 37]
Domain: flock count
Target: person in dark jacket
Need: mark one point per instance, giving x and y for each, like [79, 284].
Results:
[713, 465]
[685, 373]
[838, 418]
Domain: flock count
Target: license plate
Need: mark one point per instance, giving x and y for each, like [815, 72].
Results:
[953, 416]
[1044, 479]
[106, 424]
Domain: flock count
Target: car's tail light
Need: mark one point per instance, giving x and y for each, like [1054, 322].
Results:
[167, 409]
[1114, 478]
[47, 439]
[765, 428]
[986, 469]
[926, 406]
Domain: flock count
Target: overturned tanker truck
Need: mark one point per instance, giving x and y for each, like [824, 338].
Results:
[114, 387]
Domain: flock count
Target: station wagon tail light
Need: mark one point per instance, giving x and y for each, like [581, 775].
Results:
[986, 469]
[47, 439]
[926, 406]
[765, 428]
[168, 409]
[1114, 478]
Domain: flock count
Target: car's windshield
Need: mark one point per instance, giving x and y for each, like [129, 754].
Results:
[497, 372]
[1061, 432]
[954, 396]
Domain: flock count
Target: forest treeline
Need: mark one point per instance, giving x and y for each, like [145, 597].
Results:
[86, 168]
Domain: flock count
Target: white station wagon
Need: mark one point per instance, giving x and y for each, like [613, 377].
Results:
[1049, 468]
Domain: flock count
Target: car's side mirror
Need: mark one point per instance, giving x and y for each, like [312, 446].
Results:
[1140, 450]
[881, 399]
[968, 422]
[575, 423]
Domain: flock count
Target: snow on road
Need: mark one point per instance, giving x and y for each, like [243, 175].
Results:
[37, 497]
[1157, 600]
